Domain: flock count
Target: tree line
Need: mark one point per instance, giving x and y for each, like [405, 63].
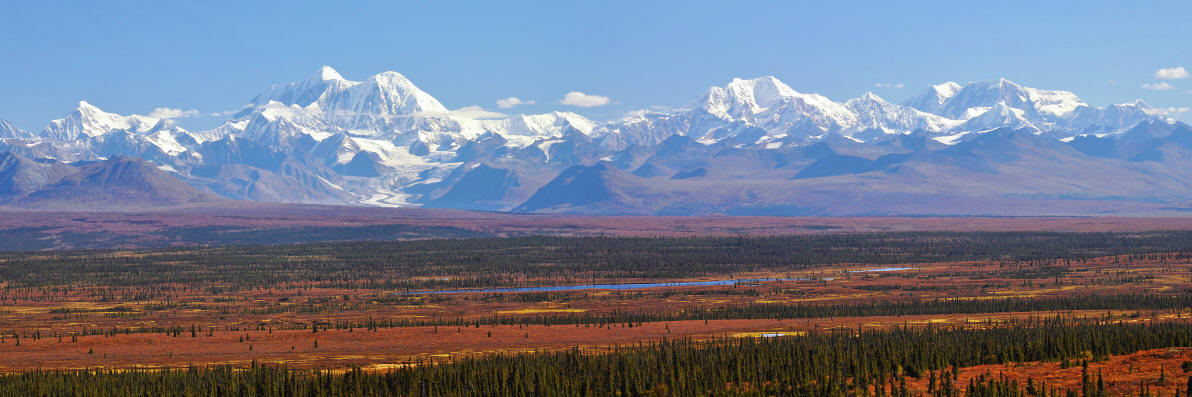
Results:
[834, 363]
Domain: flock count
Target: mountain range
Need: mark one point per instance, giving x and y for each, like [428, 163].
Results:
[751, 147]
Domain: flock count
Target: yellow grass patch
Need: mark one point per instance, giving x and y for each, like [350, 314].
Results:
[533, 311]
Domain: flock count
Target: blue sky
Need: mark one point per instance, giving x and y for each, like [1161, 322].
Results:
[212, 56]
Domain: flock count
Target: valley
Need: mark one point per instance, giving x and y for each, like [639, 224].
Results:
[245, 223]
[383, 306]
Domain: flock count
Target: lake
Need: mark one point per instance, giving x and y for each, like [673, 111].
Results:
[606, 286]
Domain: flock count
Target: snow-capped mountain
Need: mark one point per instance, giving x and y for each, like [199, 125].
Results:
[875, 114]
[767, 111]
[932, 100]
[1058, 113]
[999, 115]
[88, 121]
[89, 133]
[370, 104]
[7, 130]
[769, 104]
[1111, 119]
[768, 101]
[958, 102]
[750, 146]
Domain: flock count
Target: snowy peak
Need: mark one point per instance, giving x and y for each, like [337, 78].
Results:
[397, 95]
[771, 105]
[1113, 118]
[945, 91]
[782, 112]
[759, 93]
[165, 125]
[524, 129]
[85, 106]
[998, 116]
[872, 105]
[368, 104]
[88, 121]
[376, 104]
[933, 99]
[94, 133]
[326, 73]
[7, 130]
[1054, 103]
[743, 107]
[386, 106]
[742, 98]
[1045, 104]
[303, 93]
[874, 113]
[868, 99]
[983, 105]
[552, 124]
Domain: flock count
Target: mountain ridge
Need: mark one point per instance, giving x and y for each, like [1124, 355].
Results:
[120, 183]
[384, 141]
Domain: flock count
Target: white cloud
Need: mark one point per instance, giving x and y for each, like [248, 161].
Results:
[576, 98]
[168, 113]
[476, 112]
[1176, 111]
[1160, 86]
[1171, 73]
[888, 85]
[506, 103]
